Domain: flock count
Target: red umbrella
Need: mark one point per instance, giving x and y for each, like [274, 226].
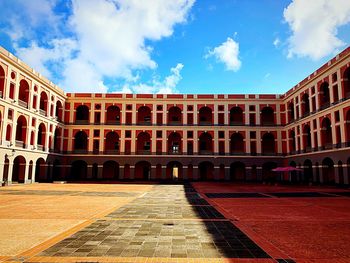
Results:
[286, 169]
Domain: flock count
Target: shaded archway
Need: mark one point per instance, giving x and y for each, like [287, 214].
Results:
[143, 143]
[30, 171]
[206, 171]
[291, 115]
[205, 116]
[174, 116]
[82, 114]
[6, 170]
[267, 173]
[41, 137]
[2, 82]
[23, 94]
[174, 171]
[292, 142]
[59, 111]
[112, 142]
[21, 131]
[40, 170]
[267, 116]
[308, 171]
[43, 106]
[205, 145]
[346, 83]
[305, 105]
[328, 173]
[268, 144]
[78, 170]
[236, 116]
[19, 167]
[57, 140]
[80, 141]
[110, 170]
[324, 95]
[113, 115]
[326, 133]
[237, 143]
[307, 138]
[174, 143]
[143, 171]
[144, 116]
[237, 171]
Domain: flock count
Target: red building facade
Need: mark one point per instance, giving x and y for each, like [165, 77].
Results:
[49, 135]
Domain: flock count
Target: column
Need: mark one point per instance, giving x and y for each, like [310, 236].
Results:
[164, 172]
[216, 118]
[259, 176]
[9, 175]
[132, 172]
[195, 142]
[133, 141]
[184, 172]
[33, 173]
[216, 173]
[216, 141]
[195, 114]
[89, 171]
[195, 172]
[2, 166]
[99, 171]
[122, 141]
[153, 172]
[121, 172]
[26, 174]
[227, 173]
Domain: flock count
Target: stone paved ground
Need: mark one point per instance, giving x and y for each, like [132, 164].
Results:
[202, 222]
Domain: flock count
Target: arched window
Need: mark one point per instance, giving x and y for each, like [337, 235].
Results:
[59, 110]
[112, 143]
[23, 96]
[43, 103]
[174, 143]
[291, 112]
[326, 133]
[144, 116]
[80, 141]
[237, 143]
[57, 140]
[113, 115]
[324, 95]
[236, 116]
[82, 114]
[268, 144]
[305, 105]
[21, 131]
[143, 143]
[267, 116]
[2, 82]
[307, 138]
[292, 142]
[41, 136]
[205, 143]
[205, 116]
[174, 116]
[346, 83]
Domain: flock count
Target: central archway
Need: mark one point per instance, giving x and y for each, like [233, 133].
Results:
[110, 170]
[78, 170]
[237, 171]
[19, 166]
[205, 171]
[174, 171]
[143, 171]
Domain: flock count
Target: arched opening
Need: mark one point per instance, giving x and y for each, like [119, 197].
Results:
[305, 105]
[308, 171]
[328, 171]
[205, 116]
[292, 142]
[59, 111]
[326, 133]
[174, 143]
[268, 144]
[8, 132]
[205, 143]
[82, 114]
[174, 116]
[30, 171]
[56, 174]
[307, 138]
[267, 116]
[19, 167]
[237, 143]
[78, 170]
[144, 116]
[291, 114]
[57, 140]
[112, 143]
[347, 128]
[324, 95]
[6, 170]
[346, 83]
[2, 82]
[43, 103]
[80, 141]
[40, 170]
[206, 171]
[113, 115]
[143, 143]
[143, 171]
[23, 95]
[236, 116]
[174, 171]
[267, 173]
[237, 171]
[41, 137]
[21, 131]
[110, 170]
[340, 173]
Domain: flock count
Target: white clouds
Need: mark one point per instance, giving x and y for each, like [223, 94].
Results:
[314, 26]
[277, 42]
[227, 53]
[109, 39]
[167, 86]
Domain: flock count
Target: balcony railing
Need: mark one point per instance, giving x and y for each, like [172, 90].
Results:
[23, 104]
[40, 147]
[144, 152]
[1, 95]
[80, 151]
[42, 112]
[79, 122]
[19, 144]
[112, 151]
[112, 122]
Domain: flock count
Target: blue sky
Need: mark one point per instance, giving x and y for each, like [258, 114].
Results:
[175, 46]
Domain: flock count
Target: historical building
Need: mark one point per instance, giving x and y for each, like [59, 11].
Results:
[47, 134]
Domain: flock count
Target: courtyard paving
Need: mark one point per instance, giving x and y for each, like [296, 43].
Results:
[199, 222]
